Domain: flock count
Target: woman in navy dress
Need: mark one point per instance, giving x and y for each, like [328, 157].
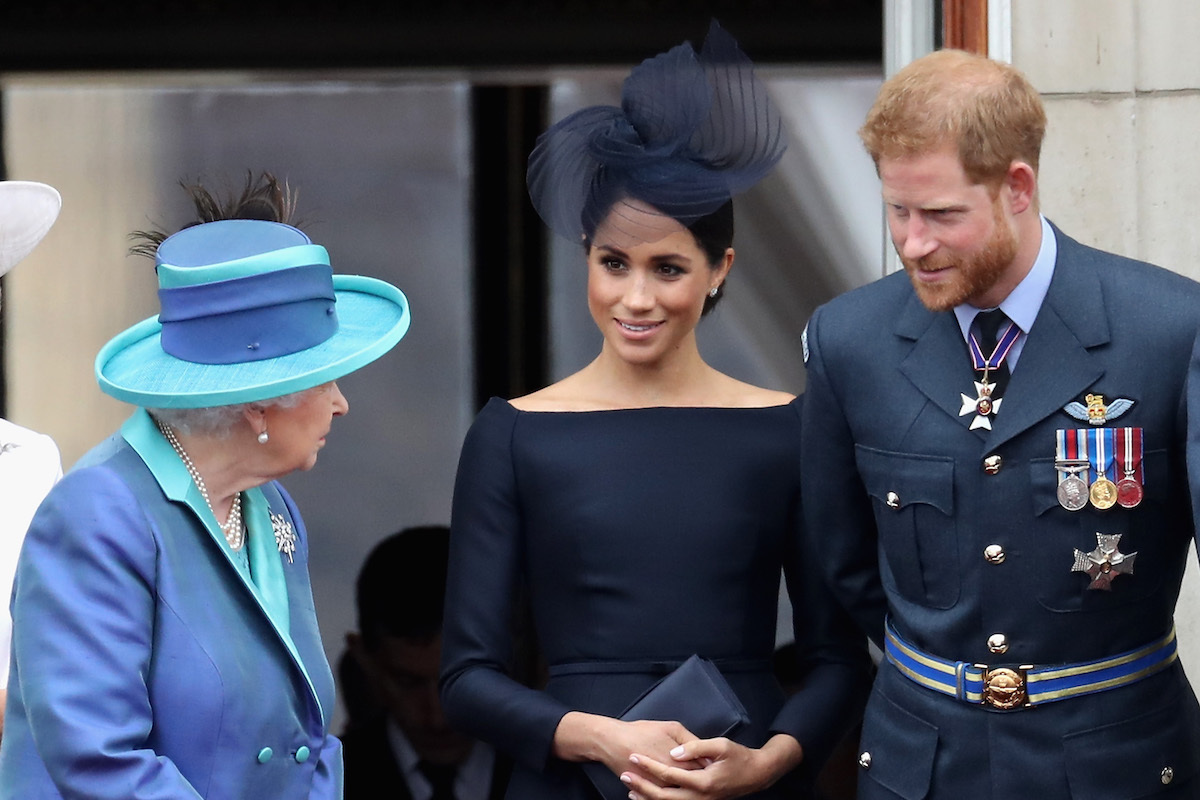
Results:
[647, 503]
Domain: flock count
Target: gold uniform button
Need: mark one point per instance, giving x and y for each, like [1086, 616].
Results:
[992, 464]
[997, 643]
[994, 553]
[1168, 774]
[893, 500]
[864, 760]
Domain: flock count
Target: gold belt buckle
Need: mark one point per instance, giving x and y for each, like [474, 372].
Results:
[1004, 687]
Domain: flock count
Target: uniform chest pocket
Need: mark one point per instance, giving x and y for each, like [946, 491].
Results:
[913, 500]
[1049, 545]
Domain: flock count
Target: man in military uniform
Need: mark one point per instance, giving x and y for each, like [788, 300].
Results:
[1010, 523]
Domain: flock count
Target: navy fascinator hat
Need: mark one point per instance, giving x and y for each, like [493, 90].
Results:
[693, 129]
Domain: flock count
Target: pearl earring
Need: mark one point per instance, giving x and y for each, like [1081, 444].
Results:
[263, 438]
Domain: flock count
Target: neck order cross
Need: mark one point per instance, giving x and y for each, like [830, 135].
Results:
[235, 532]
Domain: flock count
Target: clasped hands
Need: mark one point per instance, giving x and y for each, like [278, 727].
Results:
[712, 769]
[665, 761]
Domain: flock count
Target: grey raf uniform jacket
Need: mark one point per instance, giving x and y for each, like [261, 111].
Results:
[902, 510]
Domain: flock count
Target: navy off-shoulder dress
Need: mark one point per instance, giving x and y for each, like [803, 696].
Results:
[641, 536]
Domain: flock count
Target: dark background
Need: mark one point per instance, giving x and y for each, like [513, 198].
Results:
[222, 34]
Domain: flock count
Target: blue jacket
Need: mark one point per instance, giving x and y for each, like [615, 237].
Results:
[902, 499]
[146, 665]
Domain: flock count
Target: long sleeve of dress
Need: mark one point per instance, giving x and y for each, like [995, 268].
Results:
[478, 695]
[833, 660]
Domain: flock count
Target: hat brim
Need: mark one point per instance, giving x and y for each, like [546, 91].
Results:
[372, 317]
[27, 211]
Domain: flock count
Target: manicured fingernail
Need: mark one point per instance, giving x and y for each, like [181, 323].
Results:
[634, 759]
[677, 752]
[625, 778]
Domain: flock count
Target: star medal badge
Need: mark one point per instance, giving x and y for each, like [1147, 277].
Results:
[1129, 457]
[1103, 492]
[1096, 411]
[1104, 563]
[285, 535]
[985, 404]
[1070, 460]
[982, 405]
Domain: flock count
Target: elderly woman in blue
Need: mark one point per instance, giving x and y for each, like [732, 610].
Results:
[165, 641]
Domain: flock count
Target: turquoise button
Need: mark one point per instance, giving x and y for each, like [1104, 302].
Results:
[265, 754]
[302, 754]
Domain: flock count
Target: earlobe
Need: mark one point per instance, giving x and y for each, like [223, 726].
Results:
[256, 417]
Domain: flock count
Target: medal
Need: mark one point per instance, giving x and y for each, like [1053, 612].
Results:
[1104, 563]
[1073, 492]
[1129, 493]
[1070, 460]
[1103, 492]
[984, 404]
[1129, 456]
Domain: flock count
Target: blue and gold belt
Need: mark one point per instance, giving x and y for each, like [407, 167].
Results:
[1009, 687]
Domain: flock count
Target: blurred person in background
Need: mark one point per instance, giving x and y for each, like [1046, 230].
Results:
[407, 750]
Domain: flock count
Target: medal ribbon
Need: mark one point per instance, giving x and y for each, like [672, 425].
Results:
[1129, 444]
[1102, 457]
[1071, 446]
[1003, 345]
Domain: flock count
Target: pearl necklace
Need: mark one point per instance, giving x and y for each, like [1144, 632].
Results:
[233, 529]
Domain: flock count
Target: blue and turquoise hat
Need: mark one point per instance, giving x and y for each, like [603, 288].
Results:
[250, 310]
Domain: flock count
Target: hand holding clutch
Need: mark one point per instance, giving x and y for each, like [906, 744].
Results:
[696, 695]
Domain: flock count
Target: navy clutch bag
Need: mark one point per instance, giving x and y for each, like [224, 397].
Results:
[696, 695]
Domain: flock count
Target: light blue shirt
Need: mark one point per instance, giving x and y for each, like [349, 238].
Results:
[1023, 302]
